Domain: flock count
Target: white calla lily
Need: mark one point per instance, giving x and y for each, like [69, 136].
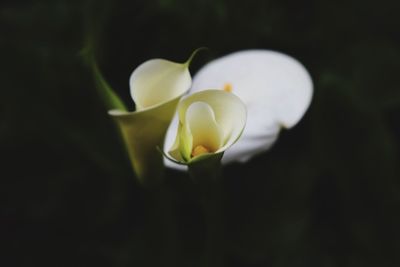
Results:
[275, 88]
[210, 121]
[156, 87]
[157, 81]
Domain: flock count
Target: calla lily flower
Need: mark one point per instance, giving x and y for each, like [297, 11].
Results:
[275, 88]
[156, 87]
[210, 122]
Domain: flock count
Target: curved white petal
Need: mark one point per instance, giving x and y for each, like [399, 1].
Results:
[171, 145]
[275, 87]
[157, 81]
[212, 118]
[229, 110]
[143, 132]
[200, 120]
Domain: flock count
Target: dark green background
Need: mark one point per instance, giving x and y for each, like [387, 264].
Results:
[327, 194]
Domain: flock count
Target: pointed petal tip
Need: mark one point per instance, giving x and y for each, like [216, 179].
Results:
[157, 81]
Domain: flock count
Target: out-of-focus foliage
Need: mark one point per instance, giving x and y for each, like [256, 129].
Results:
[327, 194]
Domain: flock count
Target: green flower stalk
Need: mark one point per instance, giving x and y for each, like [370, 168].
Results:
[210, 122]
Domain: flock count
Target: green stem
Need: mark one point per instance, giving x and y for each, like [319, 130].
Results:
[161, 227]
[207, 176]
[215, 239]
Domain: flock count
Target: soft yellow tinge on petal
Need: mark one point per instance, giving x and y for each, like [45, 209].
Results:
[229, 111]
[184, 142]
[200, 119]
[200, 150]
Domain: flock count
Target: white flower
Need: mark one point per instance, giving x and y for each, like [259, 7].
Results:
[275, 88]
[158, 81]
[156, 87]
[210, 121]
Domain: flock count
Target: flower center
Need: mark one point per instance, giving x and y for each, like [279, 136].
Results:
[228, 87]
[199, 150]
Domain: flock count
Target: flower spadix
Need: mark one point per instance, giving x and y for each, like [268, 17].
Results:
[210, 122]
[156, 87]
[275, 88]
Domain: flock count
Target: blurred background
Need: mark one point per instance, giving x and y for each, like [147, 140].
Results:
[327, 194]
